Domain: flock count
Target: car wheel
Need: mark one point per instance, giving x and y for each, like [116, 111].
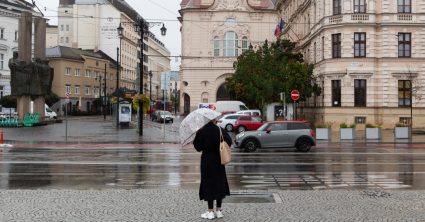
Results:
[241, 129]
[229, 128]
[251, 145]
[303, 145]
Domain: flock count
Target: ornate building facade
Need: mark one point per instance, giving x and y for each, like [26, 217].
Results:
[214, 33]
[368, 56]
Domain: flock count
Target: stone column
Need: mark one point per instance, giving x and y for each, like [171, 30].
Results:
[40, 53]
[24, 53]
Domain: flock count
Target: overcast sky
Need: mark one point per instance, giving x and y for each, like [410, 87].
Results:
[152, 10]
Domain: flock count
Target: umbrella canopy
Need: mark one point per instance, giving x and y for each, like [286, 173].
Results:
[195, 121]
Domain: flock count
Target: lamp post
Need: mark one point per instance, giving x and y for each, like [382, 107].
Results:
[100, 92]
[175, 98]
[143, 27]
[104, 94]
[120, 35]
[150, 93]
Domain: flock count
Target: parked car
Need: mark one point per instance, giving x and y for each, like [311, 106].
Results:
[161, 116]
[227, 122]
[244, 123]
[278, 134]
[49, 112]
[250, 112]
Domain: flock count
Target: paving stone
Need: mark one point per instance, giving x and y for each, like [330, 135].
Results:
[184, 205]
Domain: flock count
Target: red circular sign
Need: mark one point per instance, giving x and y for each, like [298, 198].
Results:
[295, 94]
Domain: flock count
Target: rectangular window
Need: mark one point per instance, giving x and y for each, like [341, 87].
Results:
[67, 71]
[404, 45]
[77, 90]
[405, 120]
[67, 27]
[336, 45]
[77, 72]
[314, 53]
[61, 27]
[404, 93]
[96, 74]
[360, 92]
[337, 6]
[359, 119]
[360, 44]
[1, 33]
[16, 35]
[87, 91]
[68, 88]
[323, 47]
[216, 47]
[1, 61]
[61, 39]
[359, 6]
[88, 73]
[404, 6]
[66, 39]
[336, 92]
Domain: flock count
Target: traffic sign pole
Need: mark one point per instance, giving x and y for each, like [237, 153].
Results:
[295, 95]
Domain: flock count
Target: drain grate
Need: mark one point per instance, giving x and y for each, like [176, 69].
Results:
[375, 193]
[251, 198]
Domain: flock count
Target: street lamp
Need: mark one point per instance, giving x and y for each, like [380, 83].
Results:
[120, 35]
[150, 93]
[143, 27]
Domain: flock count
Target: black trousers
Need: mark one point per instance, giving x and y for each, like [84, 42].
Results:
[211, 204]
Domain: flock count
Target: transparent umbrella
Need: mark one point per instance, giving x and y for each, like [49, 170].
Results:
[195, 121]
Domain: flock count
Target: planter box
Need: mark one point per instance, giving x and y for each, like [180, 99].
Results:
[402, 132]
[323, 133]
[347, 133]
[373, 133]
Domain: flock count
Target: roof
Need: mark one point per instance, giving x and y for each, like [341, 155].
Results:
[75, 54]
[255, 4]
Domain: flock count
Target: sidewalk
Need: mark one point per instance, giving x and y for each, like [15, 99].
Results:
[94, 129]
[184, 205]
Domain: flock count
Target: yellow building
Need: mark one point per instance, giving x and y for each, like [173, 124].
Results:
[82, 75]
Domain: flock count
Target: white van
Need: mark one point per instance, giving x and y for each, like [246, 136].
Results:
[49, 112]
[230, 106]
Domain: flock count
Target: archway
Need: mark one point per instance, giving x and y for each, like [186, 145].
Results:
[186, 107]
[222, 93]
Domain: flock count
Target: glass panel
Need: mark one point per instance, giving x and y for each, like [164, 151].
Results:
[407, 37]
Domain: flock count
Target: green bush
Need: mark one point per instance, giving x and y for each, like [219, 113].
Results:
[345, 125]
[370, 125]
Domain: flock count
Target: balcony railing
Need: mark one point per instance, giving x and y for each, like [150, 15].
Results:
[360, 17]
[404, 17]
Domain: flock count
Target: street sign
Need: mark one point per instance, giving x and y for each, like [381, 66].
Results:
[67, 97]
[295, 95]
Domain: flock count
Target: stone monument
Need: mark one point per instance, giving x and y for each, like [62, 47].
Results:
[30, 77]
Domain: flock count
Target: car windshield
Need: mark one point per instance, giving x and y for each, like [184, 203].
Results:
[165, 113]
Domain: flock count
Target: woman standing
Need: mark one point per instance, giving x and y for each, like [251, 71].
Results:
[214, 185]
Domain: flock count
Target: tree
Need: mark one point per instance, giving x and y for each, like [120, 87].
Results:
[51, 99]
[8, 101]
[260, 75]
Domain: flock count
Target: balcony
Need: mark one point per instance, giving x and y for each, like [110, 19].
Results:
[404, 17]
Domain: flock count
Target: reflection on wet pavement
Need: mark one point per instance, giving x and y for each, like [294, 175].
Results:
[379, 166]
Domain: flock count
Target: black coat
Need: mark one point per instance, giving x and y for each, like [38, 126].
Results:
[214, 183]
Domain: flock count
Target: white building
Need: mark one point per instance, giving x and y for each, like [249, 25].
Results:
[10, 12]
[367, 54]
[214, 33]
[92, 24]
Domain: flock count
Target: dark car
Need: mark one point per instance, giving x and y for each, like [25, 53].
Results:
[162, 116]
[278, 134]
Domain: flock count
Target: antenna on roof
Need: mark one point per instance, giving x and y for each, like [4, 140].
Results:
[34, 5]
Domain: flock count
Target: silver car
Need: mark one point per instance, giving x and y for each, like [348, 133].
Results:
[278, 134]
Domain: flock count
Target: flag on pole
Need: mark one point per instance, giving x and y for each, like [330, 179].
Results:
[279, 28]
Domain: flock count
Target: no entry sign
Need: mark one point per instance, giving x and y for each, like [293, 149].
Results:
[295, 95]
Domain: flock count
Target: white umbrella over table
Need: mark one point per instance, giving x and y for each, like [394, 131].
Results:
[195, 121]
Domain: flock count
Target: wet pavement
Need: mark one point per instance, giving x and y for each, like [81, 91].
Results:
[106, 174]
[134, 166]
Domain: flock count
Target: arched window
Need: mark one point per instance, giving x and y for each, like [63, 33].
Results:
[204, 97]
[244, 44]
[230, 44]
[216, 46]
[222, 93]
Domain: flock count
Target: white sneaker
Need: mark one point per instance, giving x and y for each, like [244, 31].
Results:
[218, 214]
[208, 215]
